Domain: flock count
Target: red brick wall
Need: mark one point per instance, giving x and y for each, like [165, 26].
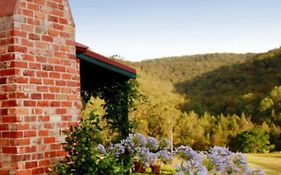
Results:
[39, 85]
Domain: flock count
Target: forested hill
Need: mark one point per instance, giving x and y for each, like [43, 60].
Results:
[207, 100]
[185, 68]
[217, 83]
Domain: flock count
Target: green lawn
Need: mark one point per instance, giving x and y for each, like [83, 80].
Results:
[270, 163]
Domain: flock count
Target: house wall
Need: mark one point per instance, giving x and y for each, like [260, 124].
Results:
[39, 85]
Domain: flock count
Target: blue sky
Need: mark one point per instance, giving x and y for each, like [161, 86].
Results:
[146, 29]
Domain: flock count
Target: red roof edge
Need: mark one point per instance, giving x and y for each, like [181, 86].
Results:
[80, 48]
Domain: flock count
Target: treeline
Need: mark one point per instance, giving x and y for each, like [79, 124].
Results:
[185, 68]
[212, 99]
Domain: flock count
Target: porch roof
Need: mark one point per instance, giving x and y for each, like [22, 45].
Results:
[83, 53]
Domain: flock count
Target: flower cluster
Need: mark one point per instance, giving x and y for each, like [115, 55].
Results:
[145, 150]
[218, 160]
[187, 153]
[148, 151]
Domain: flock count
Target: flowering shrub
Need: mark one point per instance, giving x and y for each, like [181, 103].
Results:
[217, 160]
[144, 150]
[87, 156]
[85, 153]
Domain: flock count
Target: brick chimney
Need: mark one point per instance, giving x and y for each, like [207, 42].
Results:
[39, 83]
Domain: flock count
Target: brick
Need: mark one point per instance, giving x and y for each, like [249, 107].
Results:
[29, 103]
[24, 172]
[25, 141]
[47, 38]
[27, 12]
[52, 32]
[4, 172]
[21, 80]
[42, 74]
[33, 21]
[58, 26]
[61, 111]
[43, 163]
[49, 140]
[9, 150]
[53, 19]
[39, 2]
[4, 127]
[48, 97]
[37, 96]
[30, 149]
[29, 165]
[9, 103]
[40, 15]
[52, 5]
[10, 119]
[12, 134]
[17, 49]
[27, 43]
[29, 119]
[19, 64]
[18, 33]
[28, 73]
[27, 27]
[33, 7]
[43, 104]
[30, 134]
[49, 126]
[35, 81]
[44, 118]
[27, 57]
[22, 126]
[34, 66]
[51, 154]
[55, 103]
[33, 36]
[43, 133]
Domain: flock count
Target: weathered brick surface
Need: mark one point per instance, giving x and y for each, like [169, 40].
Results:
[39, 85]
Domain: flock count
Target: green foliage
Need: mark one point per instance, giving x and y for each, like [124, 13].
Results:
[254, 140]
[228, 94]
[83, 157]
[270, 106]
[119, 97]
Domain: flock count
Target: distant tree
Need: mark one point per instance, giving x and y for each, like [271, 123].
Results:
[251, 141]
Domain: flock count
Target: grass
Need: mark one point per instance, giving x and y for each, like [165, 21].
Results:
[165, 170]
[270, 163]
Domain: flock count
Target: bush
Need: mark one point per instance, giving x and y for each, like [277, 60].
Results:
[85, 155]
[217, 160]
[251, 141]
[88, 157]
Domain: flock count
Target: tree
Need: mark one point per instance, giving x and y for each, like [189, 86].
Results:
[251, 141]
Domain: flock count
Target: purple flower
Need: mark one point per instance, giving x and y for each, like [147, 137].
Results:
[143, 155]
[187, 153]
[192, 168]
[164, 156]
[151, 158]
[117, 149]
[101, 149]
[220, 158]
[152, 143]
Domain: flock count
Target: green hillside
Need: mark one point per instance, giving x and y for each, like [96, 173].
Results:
[216, 83]
[205, 100]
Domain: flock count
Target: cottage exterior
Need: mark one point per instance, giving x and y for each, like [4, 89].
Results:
[41, 70]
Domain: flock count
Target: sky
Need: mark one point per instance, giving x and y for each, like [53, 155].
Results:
[147, 29]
